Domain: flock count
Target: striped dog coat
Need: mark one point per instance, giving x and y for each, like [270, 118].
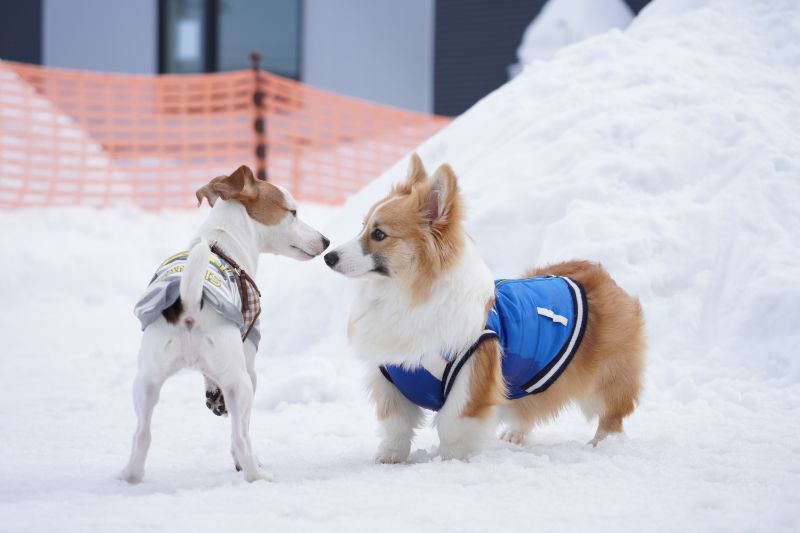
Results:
[226, 287]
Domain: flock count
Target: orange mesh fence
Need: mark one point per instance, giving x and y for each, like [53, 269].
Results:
[86, 138]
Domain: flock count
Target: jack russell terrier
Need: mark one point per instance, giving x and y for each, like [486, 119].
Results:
[201, 308]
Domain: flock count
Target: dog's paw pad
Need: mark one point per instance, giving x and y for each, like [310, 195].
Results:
[215, 402]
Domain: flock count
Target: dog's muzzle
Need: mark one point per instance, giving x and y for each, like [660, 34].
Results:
[331, 258]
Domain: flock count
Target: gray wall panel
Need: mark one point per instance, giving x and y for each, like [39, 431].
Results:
[107, 35]
[379, 50]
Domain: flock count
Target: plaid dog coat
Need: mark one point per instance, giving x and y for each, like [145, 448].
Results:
[226, 287]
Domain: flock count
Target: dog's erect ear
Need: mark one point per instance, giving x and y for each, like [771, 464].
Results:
[441, 201]
[416, 171]
[241, 185]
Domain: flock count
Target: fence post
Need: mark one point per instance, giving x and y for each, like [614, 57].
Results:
[259, 120]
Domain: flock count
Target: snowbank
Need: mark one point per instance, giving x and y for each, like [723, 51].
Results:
[670, 153]
[564, 22]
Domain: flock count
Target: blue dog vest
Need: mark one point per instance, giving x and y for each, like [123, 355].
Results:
[539, 323]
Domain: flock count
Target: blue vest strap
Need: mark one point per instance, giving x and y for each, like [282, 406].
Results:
[419, 386]
[454, 367]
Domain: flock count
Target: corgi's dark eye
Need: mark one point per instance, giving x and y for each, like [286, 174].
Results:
[378, 235]
[293, 212]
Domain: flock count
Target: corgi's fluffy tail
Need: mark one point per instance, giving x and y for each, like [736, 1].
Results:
[192, 281]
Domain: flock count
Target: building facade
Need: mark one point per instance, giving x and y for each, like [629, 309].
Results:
[434, 56]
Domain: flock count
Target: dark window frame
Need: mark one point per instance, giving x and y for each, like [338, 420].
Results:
[211, 34]
[22, 31]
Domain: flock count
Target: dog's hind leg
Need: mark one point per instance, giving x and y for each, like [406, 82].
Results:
[250, 361]
[215, 400]
[146, 390]
[240, 401]
[398, 417]
[616, 394]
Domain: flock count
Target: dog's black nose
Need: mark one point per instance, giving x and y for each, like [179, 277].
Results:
[325, 243]
[331, 258]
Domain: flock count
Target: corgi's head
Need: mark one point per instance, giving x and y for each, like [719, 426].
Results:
[272, 210]
[411, 236]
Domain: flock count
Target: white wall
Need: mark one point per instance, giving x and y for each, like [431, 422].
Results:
[107, 35]
[379, 50]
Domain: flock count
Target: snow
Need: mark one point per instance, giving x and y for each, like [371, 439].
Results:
[564, 22]
[669, 152]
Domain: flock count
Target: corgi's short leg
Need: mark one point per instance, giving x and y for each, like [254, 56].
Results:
[398, 419]
[146, 390]
[612, 402]
[517, 428]
[469, 413]
[616, 394]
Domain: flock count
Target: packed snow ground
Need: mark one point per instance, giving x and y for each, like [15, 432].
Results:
[669, 152]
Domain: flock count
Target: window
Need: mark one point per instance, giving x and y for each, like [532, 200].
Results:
[218, 35]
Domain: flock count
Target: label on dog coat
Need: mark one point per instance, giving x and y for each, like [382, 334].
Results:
[219, 290]
[539, 323]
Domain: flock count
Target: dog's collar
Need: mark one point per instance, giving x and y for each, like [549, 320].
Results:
[239, 271]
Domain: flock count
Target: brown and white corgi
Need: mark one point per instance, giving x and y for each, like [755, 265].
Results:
[421, 314]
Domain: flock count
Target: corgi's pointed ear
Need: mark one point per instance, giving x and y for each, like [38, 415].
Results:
[241, 185]
[416, 171]
[441, 201]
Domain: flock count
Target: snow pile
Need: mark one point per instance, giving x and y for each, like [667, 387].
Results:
[670, 153]
[564, 22]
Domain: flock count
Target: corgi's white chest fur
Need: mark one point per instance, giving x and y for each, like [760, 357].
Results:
[386, 328]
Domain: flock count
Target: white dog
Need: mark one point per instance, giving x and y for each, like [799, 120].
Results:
[201, 308]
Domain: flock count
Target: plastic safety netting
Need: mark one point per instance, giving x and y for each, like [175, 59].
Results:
[87, 138]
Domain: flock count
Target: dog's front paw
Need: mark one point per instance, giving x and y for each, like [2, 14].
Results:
[391, 453]
[131, 475]
[215, 401]
[238, 467]
[258, 475]
[460, 451]
[514, 436]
